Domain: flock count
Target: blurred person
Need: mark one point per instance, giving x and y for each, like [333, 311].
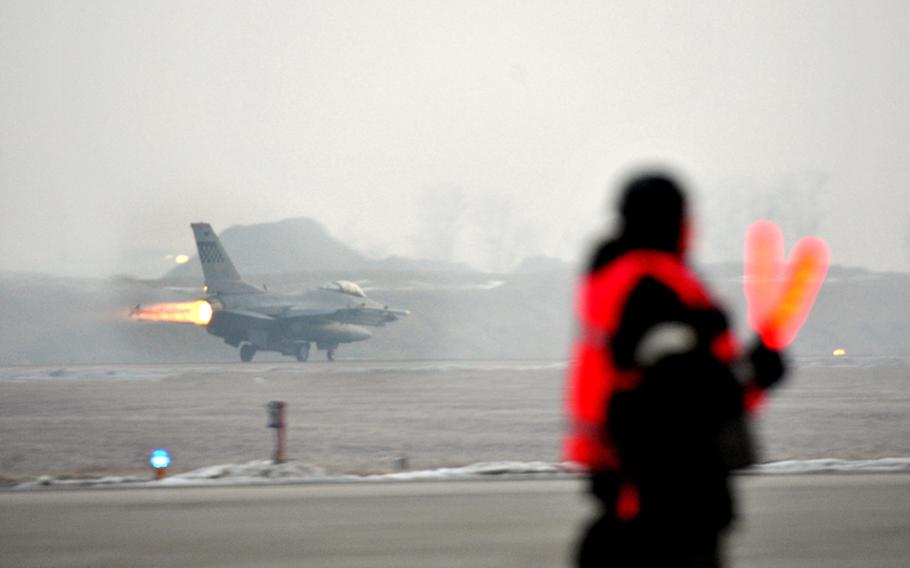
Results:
[657, 392]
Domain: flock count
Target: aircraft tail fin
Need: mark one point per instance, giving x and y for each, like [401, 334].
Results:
[220, 274]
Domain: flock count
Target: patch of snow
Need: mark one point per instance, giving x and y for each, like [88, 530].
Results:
[830, 465]
[265, 472]
[477, 470]
[262, 472]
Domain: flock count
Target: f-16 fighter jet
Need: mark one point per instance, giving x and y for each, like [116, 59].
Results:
[253, 319]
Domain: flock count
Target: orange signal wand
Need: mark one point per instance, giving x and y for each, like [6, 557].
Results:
[780, 298]
[764, 255]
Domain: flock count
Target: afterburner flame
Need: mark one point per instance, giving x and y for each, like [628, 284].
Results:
[198, 312]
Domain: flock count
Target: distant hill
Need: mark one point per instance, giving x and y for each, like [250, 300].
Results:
[454, 315]
[456, 312]
[298, 245]
[535, 264]
[291, 245]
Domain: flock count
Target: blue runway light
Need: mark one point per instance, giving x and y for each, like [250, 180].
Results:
[160, 458]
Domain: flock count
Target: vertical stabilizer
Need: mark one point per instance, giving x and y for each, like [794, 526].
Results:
[220, 274]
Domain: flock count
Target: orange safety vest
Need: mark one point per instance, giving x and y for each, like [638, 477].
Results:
[593, 376]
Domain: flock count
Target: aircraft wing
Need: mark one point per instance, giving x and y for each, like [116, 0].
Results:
[243, 318]
[358, 316]
[370, 316]
[307, 313]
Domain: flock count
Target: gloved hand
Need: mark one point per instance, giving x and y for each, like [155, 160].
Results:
[768, 365]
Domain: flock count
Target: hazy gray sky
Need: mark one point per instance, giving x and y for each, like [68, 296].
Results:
[484, 131]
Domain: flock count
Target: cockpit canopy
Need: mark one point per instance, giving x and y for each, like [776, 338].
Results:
[345, 287]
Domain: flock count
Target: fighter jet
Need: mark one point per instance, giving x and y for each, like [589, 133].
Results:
[253, 319]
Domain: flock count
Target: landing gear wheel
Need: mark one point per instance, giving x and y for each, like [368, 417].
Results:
[247, 351]
[303, 352]
[330, 354]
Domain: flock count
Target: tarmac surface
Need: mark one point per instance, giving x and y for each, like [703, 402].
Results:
[829, 520]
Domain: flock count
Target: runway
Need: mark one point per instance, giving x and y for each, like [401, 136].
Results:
[832, 521]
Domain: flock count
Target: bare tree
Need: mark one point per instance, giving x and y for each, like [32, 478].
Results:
[443, 209]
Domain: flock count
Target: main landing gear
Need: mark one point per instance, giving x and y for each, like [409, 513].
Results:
[247, 350]
[301, 351]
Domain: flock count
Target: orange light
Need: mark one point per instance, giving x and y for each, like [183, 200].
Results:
[780, 297]
[199, 312]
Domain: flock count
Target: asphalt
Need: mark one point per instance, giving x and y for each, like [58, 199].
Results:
[827, 520]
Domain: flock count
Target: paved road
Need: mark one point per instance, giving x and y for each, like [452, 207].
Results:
[805, 521]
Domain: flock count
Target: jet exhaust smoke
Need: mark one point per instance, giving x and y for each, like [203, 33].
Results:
[198, 312]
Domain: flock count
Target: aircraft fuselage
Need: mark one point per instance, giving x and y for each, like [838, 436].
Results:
[253, 319]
